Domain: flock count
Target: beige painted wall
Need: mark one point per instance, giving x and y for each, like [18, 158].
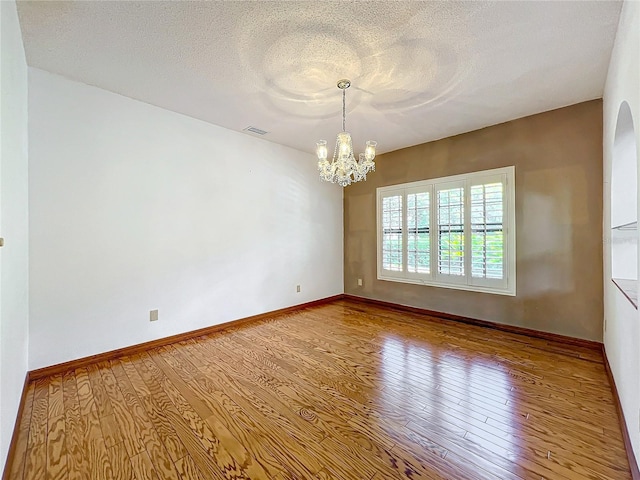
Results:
[558, 160]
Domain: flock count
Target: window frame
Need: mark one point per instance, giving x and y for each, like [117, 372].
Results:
[504, 286]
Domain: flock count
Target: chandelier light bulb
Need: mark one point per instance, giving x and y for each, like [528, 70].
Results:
[321, 150]
[344, 169]
[370, 151]
[343, 141]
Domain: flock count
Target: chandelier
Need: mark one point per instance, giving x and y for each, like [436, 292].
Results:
[344, 169]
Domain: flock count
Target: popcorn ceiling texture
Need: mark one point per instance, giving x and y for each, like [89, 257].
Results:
[420, 70]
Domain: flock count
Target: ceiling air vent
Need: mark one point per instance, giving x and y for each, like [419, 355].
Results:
[255, 130]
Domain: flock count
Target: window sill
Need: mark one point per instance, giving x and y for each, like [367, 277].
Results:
[629, 289]
[454, 286]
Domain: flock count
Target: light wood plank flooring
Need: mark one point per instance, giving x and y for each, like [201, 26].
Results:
[343, 390]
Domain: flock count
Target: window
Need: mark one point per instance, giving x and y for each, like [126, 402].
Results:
[454, 232]
[392, 233]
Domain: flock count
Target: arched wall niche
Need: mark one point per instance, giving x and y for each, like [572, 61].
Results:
[624, 206]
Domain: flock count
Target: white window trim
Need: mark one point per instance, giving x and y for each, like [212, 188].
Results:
[434, 279]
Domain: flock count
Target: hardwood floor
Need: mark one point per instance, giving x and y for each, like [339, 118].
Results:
[345, 391]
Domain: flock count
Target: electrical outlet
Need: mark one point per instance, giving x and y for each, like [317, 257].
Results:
[359, 282]
[153, 315]
[297, 288]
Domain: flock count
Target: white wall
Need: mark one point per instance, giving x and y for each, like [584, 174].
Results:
[622, 334]
[14, 262]
[134, 208]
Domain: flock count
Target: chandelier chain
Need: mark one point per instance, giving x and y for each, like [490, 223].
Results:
[344, 92]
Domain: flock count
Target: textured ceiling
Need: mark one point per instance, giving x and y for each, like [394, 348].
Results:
[420, 70]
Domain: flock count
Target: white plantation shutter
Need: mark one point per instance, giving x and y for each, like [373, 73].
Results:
[455, 232]
[450, 207]
[487, 235]
[392, 232]
[418, 231]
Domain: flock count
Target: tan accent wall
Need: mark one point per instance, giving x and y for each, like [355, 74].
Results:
[558, 167]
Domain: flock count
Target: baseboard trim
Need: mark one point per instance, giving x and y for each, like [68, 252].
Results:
[14, 436]
[481, 323]
[633, 464]
[161, 342]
